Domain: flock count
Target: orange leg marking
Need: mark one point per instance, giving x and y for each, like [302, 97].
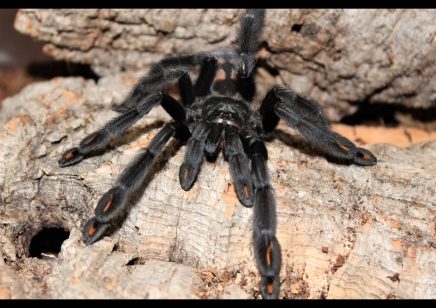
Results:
[246, 192]
[342, 146]
[268, 253]
[366, 156]
[185, 177]
[90, 139]
[69, 155]
[92, 230]
[270, 288]
[109, 203]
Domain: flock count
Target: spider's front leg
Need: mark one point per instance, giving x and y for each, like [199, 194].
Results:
[120, 124]
[266, 246]
[246, 43]
[130, 179]
[307, 117]
[144, 97]
[168, 71]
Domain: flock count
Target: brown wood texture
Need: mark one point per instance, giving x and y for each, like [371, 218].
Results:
[345, 231]
[336, 56]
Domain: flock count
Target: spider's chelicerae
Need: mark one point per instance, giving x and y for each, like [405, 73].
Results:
[214, 113]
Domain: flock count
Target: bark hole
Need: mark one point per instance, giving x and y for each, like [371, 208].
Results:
[296, 28]
[48, 241]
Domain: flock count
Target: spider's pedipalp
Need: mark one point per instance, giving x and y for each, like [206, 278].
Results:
[239, 167]
[194, 155]
[213, 139]
[266, 246]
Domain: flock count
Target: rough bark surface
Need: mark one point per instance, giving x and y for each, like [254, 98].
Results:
[339, 57]
[345, 231]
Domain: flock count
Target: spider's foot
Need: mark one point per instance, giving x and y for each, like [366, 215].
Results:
[187, 175]
[270, 287]
[92, 231]
[70, 157]
[365, 158]
[244, 191]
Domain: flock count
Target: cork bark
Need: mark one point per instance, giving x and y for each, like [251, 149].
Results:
[341, 58]
[345, 231]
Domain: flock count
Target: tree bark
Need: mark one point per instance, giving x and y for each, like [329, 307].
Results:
[345, 231]
[340, 58]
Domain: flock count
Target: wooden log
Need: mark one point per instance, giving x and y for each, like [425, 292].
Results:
[345, 231]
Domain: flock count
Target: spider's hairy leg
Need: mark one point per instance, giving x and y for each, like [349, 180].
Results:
[194, 155]
[206, 77]
[186, 90]
[162, 74]
[112, 129]
[266, 110]
[266, 246]
[239, 166]
[173, 108]
[113, 201]
[307, 117]
[246, 43]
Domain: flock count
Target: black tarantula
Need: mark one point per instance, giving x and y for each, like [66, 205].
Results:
[214, 113]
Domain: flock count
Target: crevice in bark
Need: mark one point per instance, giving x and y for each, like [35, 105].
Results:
[48, 241]
[375, 114]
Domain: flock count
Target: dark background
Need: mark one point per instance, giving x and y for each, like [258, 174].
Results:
[17, 50]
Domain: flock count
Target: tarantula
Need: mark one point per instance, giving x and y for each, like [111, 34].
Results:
[214, 113]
